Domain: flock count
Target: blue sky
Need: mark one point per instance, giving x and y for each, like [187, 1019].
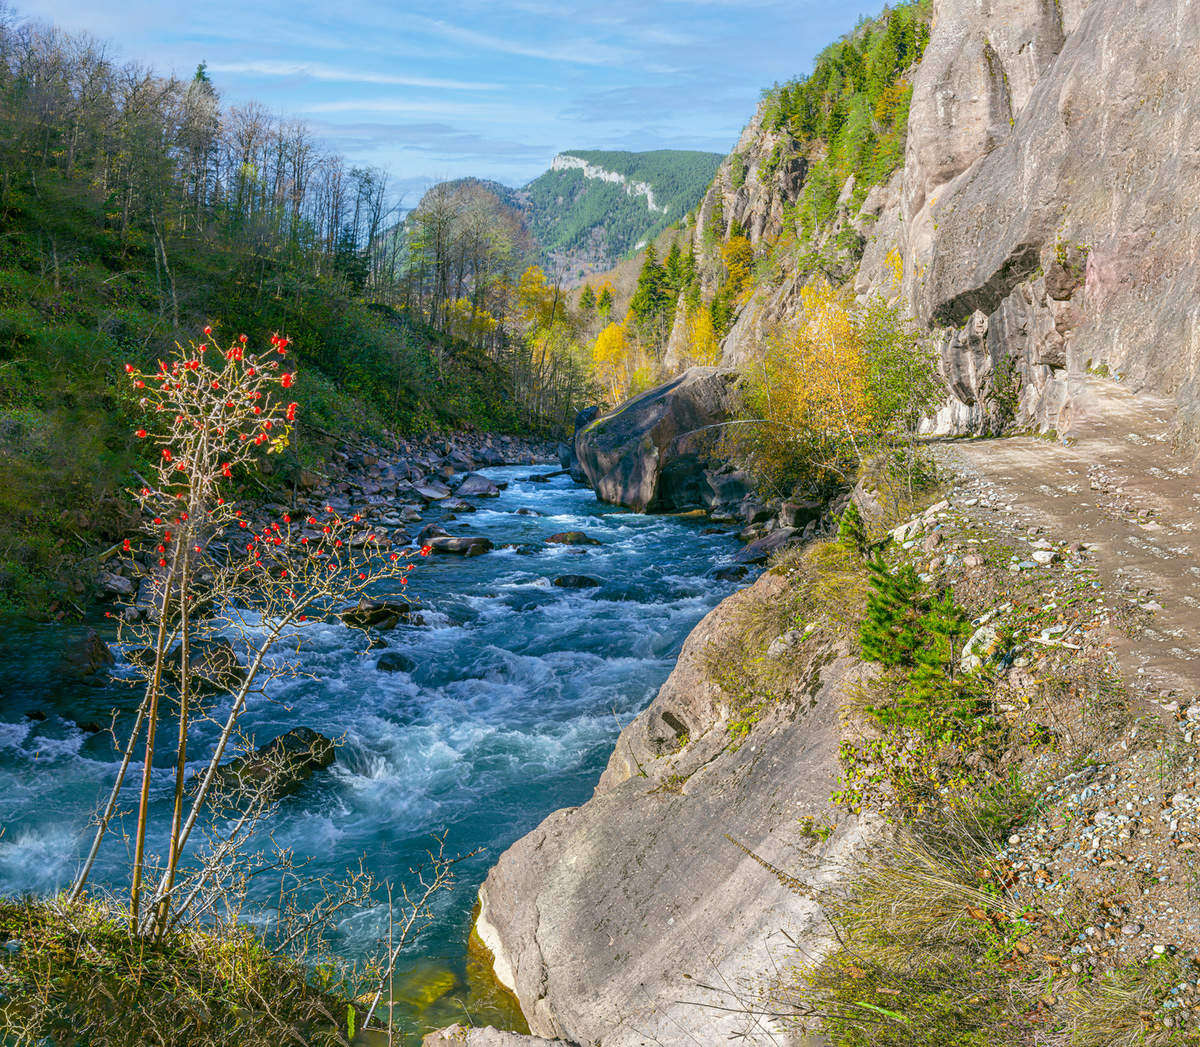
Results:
[467, 87]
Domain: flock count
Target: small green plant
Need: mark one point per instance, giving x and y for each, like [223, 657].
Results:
[932, 717]
[1005, 393]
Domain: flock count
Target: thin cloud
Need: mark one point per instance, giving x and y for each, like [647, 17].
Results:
[575, 52]
[318, 71]
[401, 107]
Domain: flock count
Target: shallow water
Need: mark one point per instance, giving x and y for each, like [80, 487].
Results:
[519, 691]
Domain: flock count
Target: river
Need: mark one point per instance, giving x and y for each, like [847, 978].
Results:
[518, 692]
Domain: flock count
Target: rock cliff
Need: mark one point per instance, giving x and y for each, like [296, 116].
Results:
[1043, 212]
[658, 451]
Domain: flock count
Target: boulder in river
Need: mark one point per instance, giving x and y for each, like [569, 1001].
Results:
[572, 538]
[395, 662]
[432, 490]
[476, 486]
[213, 663]
[732, 573]
[576, 581]
[376, 614]
[430, 531]
[654, 451]
[279, 767]
[86, 656]
[461, 546]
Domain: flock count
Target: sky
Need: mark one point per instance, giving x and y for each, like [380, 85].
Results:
[430, 91]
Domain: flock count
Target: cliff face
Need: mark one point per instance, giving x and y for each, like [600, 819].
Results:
[1044, 212]
[1048, 199]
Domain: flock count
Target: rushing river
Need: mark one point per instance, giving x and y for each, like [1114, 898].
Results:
[519, 690]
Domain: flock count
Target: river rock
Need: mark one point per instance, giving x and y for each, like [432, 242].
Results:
[279, 767]
[476, 486]
[576, 581]
[375, 614]
[572, 538]
[460, 546]
[213, 663]
[86, 656]
[114, 584]
[432, 490]
[634, 919]
[760, 550]
[732, 573]
[395, 662]
[654, 451]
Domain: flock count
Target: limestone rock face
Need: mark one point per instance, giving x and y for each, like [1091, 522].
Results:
[609, 919]
[1044, 214]
[1049, 201]
[652, 452]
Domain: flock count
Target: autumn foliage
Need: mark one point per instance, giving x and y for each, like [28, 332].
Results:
[845, 378]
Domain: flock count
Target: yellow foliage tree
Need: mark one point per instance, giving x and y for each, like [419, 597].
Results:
[738, 256]
[703, 347]
[466, 322]
[809, 401]
[538, 300]
[611, 361]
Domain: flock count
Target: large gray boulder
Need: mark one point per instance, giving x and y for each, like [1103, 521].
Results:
[653, 451]
[635, 919]
[476, 486]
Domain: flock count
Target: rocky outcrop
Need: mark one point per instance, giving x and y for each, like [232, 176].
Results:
[1042, 219]
[640, 917]
[654, 452]
[1047, 204]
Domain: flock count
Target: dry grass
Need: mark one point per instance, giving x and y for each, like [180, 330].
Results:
[73, 975]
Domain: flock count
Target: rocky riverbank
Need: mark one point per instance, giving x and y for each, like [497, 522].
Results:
[392, 487]
[677, 905]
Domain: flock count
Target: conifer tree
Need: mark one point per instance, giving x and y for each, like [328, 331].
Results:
[852, 534]
[891, 633]
[587, 298]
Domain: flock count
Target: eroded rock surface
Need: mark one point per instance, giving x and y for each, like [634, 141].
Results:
[609, 920]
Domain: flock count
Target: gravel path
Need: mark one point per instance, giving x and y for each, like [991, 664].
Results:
[1124, 490]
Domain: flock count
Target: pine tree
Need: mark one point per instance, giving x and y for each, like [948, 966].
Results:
[651, 299]
[674, 269]
[587, 298]
[891, 633]
[852, 533]
[604, 302]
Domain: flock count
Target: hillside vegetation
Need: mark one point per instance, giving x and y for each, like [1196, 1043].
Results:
[133, 211]
[570, 214]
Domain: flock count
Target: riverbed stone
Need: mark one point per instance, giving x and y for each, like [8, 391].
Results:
[572, 538]
[395, 662]
[576, 581]
[281, 766]
[476, 486]
[460, 545]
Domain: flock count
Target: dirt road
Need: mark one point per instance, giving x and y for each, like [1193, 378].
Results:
[1122, 488]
